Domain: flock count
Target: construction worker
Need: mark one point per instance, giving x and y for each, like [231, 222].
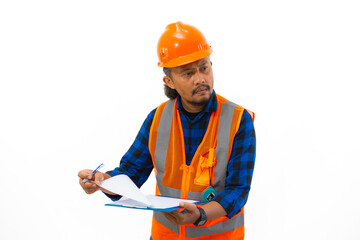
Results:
[201, 146]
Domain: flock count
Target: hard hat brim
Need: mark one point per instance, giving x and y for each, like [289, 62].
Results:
[186, 59]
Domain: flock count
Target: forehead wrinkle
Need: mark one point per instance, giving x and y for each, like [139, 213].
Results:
[200, 63]
[186, 69]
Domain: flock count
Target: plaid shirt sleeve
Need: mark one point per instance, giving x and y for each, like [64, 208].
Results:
[240, 168]
[136, 163]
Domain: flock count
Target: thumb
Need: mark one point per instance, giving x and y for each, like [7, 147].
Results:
[190, 207]
[99, 177]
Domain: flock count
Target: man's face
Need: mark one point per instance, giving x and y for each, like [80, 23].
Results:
[194, 83]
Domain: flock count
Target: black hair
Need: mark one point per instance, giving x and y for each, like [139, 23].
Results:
[169, 92]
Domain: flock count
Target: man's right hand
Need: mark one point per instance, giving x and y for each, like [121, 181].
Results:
[90, 187]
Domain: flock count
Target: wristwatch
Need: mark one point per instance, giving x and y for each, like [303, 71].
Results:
[202, 219]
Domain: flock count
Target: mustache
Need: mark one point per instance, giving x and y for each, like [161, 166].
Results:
[200, 87]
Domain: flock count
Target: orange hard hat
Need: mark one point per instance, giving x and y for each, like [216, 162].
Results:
[181, 44]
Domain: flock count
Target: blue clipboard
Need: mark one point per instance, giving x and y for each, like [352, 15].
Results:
[161, 203]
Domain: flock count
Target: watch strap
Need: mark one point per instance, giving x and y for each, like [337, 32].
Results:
[202, 219]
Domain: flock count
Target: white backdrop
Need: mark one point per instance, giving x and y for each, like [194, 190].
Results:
[79, 77]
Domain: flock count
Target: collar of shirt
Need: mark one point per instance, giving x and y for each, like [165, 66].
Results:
[211, 106]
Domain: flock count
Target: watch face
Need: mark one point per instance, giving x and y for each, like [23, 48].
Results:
[202, 222]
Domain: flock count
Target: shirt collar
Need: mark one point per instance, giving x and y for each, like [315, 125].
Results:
[211, 106]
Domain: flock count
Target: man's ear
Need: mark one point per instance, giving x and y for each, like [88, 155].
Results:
[167, 80]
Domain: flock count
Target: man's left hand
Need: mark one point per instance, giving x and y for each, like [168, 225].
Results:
[189, 215]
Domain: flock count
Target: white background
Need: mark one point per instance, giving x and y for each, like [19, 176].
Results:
[79, 77]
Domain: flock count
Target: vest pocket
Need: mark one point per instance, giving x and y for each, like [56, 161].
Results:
[204, 169]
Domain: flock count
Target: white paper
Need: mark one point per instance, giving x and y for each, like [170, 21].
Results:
[124, 201]
[166, 202]
[157, 202]
[124, 186]
[133, 197]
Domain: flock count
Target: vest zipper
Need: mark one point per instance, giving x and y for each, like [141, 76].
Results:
[185, 181]
[187, 171]
[184, 193]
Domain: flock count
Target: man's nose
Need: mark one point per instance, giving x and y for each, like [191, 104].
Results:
[198, 78]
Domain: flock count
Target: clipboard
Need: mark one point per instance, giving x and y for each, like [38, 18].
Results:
[158, 203]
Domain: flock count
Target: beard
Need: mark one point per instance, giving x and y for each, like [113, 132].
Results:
[200, 103]
[204, 101]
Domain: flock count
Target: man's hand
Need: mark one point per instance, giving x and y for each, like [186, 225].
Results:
[190, 215]
[90, 187]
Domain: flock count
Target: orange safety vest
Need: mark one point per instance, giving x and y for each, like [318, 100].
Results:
[174, 178]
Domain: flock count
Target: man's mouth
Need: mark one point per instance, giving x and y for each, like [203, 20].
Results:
[201, 89]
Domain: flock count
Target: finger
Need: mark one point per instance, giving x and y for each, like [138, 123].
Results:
[98, 177]
[175, 214]
[82, 183]
[190, 207]
[88, 187]
[180, 217]
[84, 173]
[91, 189]
[171, 218]
[97, 188]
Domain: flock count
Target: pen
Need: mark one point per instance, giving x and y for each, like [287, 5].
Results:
[93, 172]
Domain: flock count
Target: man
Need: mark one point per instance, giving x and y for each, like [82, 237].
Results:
[201, 146]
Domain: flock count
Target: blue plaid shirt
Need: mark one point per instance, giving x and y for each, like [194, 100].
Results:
[137, 163]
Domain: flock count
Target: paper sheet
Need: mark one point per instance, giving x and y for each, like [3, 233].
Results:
[124, 186]
[158, 203]
[166, 202]
[133, 197]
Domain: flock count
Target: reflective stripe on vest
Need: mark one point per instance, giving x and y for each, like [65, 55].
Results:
[230, 115]
[222, 148]
[193, 232]
[228, 225]
[162, 143]
[160, 217]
